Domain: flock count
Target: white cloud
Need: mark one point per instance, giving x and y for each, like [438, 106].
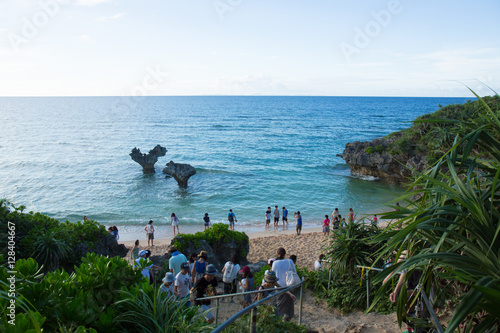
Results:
[91, 2]
[86, 38]
[109, 18]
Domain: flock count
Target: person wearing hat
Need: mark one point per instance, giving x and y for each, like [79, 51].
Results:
[147, 271]
[168, 284]
[205, 287]
[199, 266]
[175, 261]
[271, 282]
[181, 284]
[247, 284]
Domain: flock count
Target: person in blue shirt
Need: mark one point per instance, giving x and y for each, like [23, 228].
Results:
[231, 218]
[298, 228]
[284, 216]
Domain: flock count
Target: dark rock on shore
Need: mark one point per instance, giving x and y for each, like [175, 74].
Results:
[375, 158]
[180, 172]
[147, 161]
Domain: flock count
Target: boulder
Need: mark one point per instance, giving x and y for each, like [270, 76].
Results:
[218, 253]
[180, 172]
[147, 161]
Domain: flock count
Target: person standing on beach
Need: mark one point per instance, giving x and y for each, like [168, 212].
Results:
[375, 220]
[335, 213]
[150, 232]
[231, 218]
[284, 216]
[268, 217]
[326, 226]
[176, 260]
[206, 221]
[174, 221]
[351, 215]
[276, 217]
[298, 228]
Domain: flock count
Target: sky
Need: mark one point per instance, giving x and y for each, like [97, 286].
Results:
[249, 47]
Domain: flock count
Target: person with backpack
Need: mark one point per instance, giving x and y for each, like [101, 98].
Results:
[246, 284]
[231, 218]
[229, 274]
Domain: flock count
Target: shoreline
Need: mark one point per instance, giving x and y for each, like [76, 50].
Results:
[165, 241]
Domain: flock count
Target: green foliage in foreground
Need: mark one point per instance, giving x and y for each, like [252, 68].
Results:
[53, 244]
[218, 232]
[434, 134]
[102, 294]
[347, 293]
[451, 227]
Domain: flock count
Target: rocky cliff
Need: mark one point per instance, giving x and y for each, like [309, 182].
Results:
[376, 158]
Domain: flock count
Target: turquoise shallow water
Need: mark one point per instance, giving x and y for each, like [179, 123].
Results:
[68, 157]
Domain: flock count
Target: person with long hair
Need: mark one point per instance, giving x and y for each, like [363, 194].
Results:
[174, 221]
[134, 254]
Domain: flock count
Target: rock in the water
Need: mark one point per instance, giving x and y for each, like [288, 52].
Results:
[180, 172]
[147, 161]
[374, 158]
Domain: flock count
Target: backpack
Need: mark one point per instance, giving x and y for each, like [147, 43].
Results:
[230, 273]
[230, 218]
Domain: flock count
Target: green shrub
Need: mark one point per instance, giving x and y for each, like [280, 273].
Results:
[369, 150]
[218, 232]
[380, 149]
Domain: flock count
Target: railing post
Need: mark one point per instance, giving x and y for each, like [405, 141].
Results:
[301, 290]
[253, 321]
[329, 278]
[217, 312]
[367, 289]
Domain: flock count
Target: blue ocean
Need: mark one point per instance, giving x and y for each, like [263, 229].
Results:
[69, 156]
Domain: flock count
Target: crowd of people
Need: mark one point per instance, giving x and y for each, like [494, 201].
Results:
[194, 280]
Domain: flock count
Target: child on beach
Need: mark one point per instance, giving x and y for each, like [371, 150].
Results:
[174, 221]
[247, 284]
[351, 215]
[375, 220]
[150, 232]
[326, 226]
[134, 254]
[298, 228]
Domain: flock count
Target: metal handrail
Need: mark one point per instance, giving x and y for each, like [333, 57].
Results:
[254, 306]
[236, 294]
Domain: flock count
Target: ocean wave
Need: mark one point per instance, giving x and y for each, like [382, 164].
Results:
[365, 177]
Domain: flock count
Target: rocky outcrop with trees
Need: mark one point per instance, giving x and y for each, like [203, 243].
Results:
[401, 155]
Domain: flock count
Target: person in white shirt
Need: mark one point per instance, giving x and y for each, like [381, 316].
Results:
[280, 267]
[182, 280]
[318, 264]
[148, 270]
[150, 232]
